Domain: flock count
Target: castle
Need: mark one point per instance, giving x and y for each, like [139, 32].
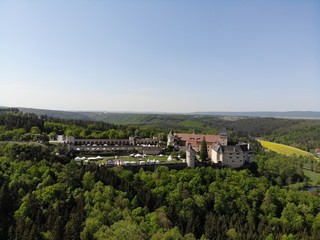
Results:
[220, 151]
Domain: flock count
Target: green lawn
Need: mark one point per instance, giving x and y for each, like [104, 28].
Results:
[313, 180]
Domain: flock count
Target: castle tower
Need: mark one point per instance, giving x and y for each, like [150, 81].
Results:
[131, 141]
[223, 137]
[170, 141]
[190, 157]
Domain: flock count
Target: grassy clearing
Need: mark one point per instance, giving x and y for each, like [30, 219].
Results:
[284, 149]
[55, 143]
[313, 180]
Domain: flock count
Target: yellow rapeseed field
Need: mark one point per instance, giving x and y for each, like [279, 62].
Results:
[284, 149]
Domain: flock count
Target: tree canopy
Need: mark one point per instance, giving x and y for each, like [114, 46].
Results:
[45, 195]
[203, 150]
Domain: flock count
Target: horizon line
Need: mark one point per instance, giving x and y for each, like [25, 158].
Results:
[168, 112]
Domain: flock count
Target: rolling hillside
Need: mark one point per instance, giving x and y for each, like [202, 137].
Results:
[284, 149]
[301, 133]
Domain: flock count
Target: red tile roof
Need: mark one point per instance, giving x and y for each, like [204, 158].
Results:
[198, 137]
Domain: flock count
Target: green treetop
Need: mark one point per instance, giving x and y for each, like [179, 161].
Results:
[203, 150]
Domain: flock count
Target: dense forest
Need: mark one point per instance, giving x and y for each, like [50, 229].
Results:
[18, 126]
[45, 195]
[305, 135]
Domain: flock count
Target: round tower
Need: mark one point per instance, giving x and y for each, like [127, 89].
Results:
[170, 141]
[190, 157]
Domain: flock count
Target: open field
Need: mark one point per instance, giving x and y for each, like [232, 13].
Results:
[313, 177]
[313, 180]
[284, 149]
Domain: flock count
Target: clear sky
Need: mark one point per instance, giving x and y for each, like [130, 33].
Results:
[162, 56]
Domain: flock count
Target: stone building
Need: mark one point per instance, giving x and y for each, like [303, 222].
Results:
[63, 139]
[219, 149]
[131, 141]
[233, 154]
[180, 140]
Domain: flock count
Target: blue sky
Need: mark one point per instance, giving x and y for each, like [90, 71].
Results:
[160, 56]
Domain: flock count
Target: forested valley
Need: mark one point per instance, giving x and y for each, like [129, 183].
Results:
[45, 195]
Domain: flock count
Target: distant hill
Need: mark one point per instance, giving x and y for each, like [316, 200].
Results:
[57, 113]
[121, 118]
[290, 114]
[130, 118]
[252, 125]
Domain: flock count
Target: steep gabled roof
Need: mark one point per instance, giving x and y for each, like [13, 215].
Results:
[234, 148]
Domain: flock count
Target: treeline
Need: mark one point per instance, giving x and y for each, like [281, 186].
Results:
[256, 127]
[12, 118]
[42, 197]
[18, 126]
[305, 136]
